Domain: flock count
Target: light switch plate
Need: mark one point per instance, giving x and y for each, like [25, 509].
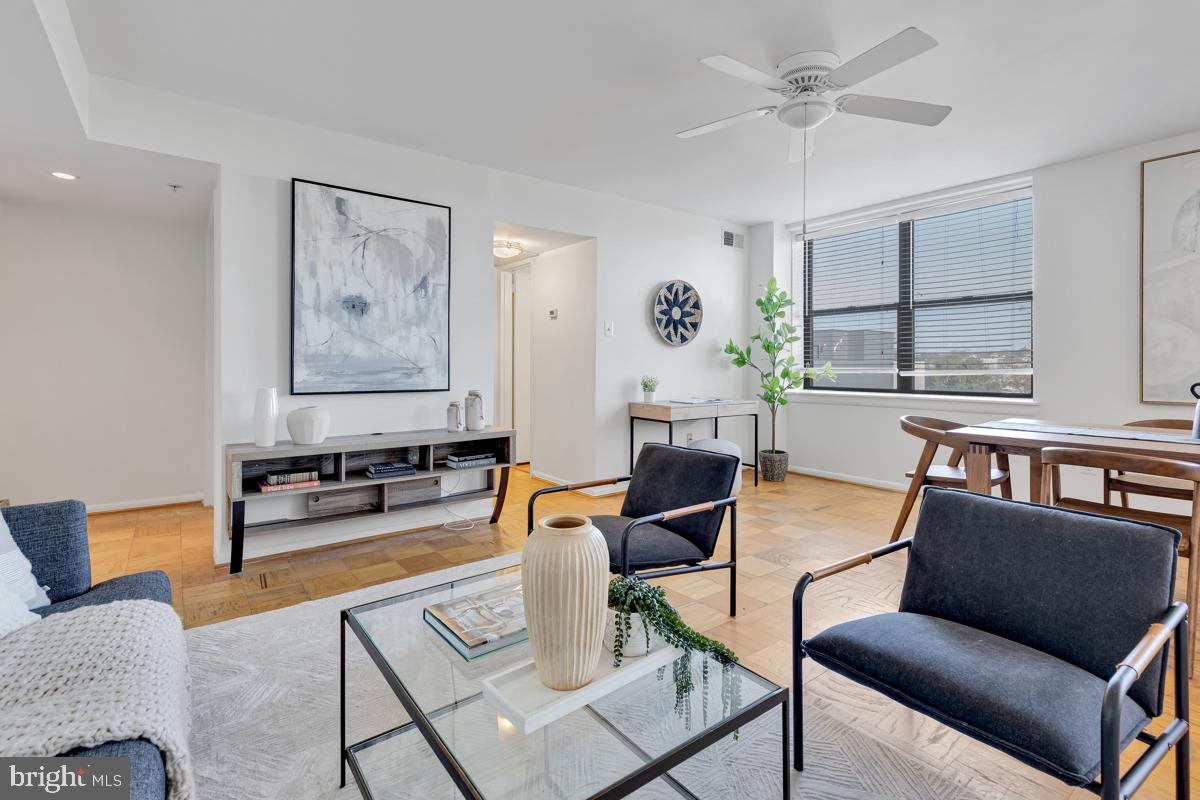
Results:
[608, 328]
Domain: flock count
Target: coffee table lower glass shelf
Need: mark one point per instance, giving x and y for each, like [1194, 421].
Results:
[640, 740]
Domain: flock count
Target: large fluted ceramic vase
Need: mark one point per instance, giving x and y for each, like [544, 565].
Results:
[564, 572]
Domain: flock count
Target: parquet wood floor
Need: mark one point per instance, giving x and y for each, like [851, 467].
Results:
[784, 530]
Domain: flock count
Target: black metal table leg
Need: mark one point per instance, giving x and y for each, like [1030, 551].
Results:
[342, 675]
[237, 530]
[670, 433]
[716, 427]
[755, 449]
[787, 767]
[631, 421]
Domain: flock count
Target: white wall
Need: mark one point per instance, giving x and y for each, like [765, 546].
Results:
[101, 342]
[638, 247]
[563, 369]
[1086, 324]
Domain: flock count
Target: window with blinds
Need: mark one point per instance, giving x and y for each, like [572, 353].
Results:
[936, 304]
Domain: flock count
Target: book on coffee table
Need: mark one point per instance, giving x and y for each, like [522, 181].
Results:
[480, 623]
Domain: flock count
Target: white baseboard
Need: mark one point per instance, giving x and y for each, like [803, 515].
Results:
[893, 486]
[124, 505]
[591, 491]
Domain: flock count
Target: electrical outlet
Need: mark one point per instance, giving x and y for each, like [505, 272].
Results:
[554, 313]
[608, 328]
[691, 437]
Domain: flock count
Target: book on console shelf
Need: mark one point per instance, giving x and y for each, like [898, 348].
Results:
[390, 469]
[480, 623]
[472, 463]
[295, 476]
[282, 487]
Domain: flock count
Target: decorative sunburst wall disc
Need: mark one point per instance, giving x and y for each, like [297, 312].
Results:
[677, 312]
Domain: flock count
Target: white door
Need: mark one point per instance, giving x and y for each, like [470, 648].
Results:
[522, 365]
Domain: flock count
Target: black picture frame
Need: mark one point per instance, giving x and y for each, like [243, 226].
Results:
[292, 298]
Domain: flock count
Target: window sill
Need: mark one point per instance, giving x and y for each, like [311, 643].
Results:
[985, 405]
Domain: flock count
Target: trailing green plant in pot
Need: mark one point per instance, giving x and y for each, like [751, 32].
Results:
[778, 373]
[641, 620]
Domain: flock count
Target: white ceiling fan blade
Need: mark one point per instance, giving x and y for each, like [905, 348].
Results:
[745, 72]
[725, 123]
[798, 148]
[885, 55]
[864, 105]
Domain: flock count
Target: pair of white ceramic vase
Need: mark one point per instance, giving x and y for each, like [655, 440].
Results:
[307, 425]
[564, 572]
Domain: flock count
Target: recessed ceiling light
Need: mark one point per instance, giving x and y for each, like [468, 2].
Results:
[65, 176]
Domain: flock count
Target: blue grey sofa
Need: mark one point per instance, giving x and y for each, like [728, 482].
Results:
[54, 537]
[1041, 632]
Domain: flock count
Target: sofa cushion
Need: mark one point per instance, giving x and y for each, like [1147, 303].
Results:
[1033, 706]
[148, 775]
[53, 536]
[154, 585]
[649, 545]
[16, 573]
[1081, 587]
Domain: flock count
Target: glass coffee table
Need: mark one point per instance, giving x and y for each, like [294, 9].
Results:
[641, 739]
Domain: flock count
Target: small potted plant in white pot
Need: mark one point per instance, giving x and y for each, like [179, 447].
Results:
[640, 620]
[649, 385]
[779, 373]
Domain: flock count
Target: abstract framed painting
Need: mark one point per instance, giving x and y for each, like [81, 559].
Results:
[1170, 274]
[370, 292]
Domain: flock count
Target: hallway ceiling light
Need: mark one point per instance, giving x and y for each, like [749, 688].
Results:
[505, 249]
[65, 176]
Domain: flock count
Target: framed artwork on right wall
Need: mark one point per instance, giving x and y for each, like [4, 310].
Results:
[1170, 273]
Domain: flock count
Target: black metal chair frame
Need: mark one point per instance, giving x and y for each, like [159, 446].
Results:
[1173, 623]
[727, 502]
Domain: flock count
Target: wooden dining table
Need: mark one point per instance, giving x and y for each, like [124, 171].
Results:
[1028, 437]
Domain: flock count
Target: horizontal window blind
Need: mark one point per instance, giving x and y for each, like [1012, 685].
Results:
[937, 303]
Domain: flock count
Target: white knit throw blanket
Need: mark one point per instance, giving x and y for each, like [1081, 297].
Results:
[99, 674]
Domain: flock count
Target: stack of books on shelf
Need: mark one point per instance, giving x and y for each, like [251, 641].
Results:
[472, 460]
[391, 469]
[290, 479]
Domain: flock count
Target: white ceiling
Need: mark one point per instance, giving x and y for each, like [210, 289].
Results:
[532, 240]
[590, 94]
[40, 133]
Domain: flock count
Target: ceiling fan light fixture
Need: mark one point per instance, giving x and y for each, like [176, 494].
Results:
[805, 112]
[506, 249]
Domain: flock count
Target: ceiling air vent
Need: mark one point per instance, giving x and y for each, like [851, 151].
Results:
[735, 240]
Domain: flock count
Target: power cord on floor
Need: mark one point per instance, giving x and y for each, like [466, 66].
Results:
[461, 523]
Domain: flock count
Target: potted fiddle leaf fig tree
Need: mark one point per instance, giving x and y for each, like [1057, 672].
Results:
[777, 370]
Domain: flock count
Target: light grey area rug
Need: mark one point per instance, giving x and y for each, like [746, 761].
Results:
[265, 726]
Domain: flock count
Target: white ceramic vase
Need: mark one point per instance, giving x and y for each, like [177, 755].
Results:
[636, 643]
[266, 416]
[308, 425]
[647, 397]
[564, 572]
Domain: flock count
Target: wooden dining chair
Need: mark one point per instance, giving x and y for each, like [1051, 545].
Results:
[1108, 461]
[950, 475]
[1126, 483]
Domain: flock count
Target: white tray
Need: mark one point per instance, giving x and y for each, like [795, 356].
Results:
[528, 704]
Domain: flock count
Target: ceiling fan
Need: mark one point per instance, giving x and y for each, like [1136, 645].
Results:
[805, 78]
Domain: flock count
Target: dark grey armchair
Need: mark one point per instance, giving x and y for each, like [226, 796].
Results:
[672, 514]
[1041, 632]
[54, 537]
